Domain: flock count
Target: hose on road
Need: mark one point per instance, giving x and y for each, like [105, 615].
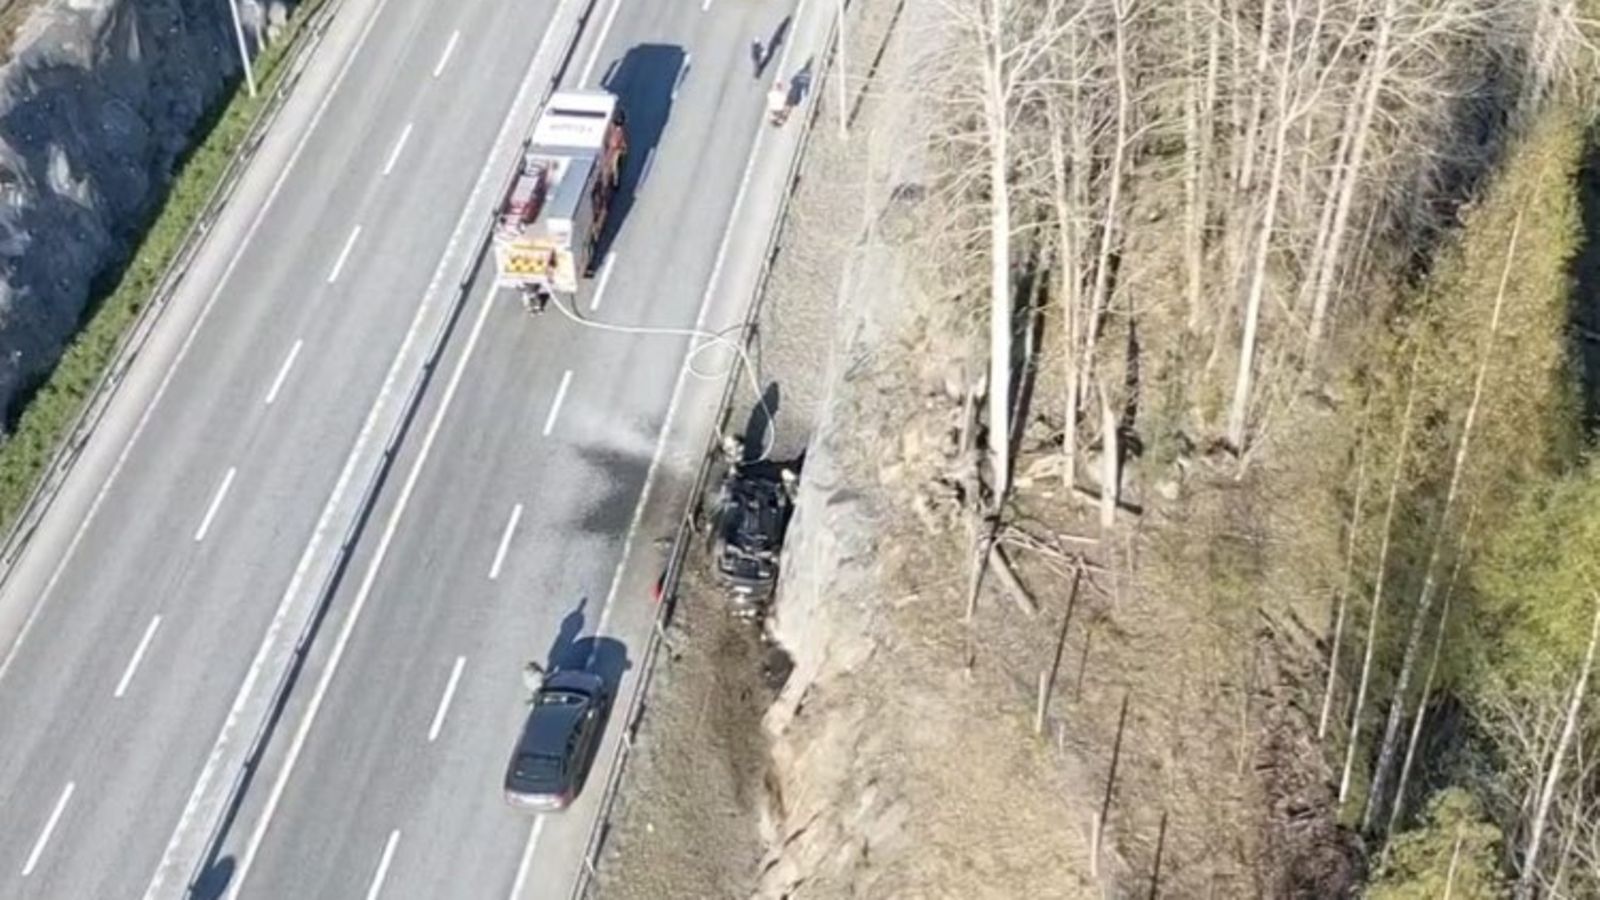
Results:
[705, 340]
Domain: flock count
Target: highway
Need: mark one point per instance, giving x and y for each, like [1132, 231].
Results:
[543, 451]
[146, 620]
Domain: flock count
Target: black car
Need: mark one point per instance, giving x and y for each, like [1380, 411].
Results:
[752, 514]
[558, 741]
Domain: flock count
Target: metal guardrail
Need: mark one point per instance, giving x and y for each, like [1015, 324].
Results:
[587, 873]
[133, 341]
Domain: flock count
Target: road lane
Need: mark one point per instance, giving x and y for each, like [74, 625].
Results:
[364, 769]
[140, 756]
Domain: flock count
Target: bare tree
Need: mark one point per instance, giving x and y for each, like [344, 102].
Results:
[1400, 69]
[1559, 50]
[1003, 45]
[1378, 580]
[1527, 879]
[1347, 172]
[1244, 171]
[1427, 682]
[1072, 118]
[1200, 100]
[1256, 285]
[1354, 527]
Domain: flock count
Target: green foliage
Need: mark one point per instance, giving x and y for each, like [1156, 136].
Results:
[1535, 588]
[1418, 865]
[51, 412]
[1527, 421]
[1516, 246]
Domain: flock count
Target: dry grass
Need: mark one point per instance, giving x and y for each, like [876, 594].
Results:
[695, 779]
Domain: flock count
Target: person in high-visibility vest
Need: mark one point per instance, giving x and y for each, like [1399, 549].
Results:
[778, 102]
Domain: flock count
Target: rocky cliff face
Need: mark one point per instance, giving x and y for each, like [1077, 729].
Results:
[98, 100]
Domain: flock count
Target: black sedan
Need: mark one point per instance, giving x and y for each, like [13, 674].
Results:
[558, 742]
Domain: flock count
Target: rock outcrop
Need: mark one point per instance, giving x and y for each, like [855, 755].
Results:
[98, 101]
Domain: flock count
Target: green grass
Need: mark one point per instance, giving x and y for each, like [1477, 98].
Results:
[52, 410]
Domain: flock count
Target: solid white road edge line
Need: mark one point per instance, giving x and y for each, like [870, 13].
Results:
[360, 602]
[444, 702]
[611, 259]
[450, 48]
[526, 863]
[344, 254]
[599, 44]
[555, 408]
[383, 865]
[138, 655]
[216, 504]
[209, 772]
[49, 828]
[505, 542]
[283, 371]
[188, 341]
[394, 155]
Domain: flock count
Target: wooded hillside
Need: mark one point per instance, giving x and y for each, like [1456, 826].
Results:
[1202, 221]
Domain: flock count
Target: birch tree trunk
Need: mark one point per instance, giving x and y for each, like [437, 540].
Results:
[1238, 412]
[1100, 298]
[1199, 99]
[1378, 581]
[1069, 164]
[1349, 573]
[1068, 290]
[1245, 174]
[1397, 704]
[1427, 682]
[1528, 878]
[1349, 174]
[1001, 313]
[1347, 128]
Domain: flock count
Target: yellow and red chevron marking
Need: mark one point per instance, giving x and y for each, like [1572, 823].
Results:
[525, 264]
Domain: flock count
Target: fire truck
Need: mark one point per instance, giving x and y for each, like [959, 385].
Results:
[549, 224]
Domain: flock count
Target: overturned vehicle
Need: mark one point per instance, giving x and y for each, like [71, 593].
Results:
[749, 519]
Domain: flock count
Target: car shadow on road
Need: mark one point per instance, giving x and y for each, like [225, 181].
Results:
[213, 882]
[606, 657]
[571, 649]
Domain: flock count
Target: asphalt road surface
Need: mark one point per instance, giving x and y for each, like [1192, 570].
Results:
[142, 623]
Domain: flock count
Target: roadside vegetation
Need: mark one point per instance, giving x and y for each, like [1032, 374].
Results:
[49, 414]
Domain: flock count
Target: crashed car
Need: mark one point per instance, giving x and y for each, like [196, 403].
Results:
[751, 514]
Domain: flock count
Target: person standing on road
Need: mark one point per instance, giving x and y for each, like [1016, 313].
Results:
[778, 102]
[533, 679]
[758, 57]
